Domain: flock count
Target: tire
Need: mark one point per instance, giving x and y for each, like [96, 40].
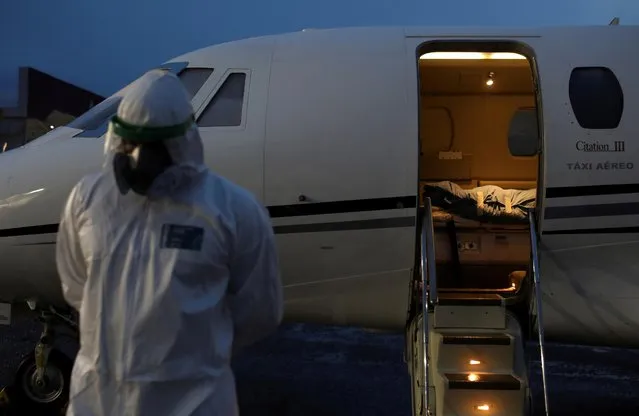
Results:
[50, 400]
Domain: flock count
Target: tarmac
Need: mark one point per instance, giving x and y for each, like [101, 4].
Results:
[310, 370]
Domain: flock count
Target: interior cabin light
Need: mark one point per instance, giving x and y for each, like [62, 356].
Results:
[491, 79]
[472, 55]
[483, 407]
[474, 362]
[473, 377]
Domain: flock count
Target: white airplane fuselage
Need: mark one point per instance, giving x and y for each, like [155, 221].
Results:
[328, 140]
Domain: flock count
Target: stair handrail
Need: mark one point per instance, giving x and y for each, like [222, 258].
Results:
[429, 273]
[429, 287]
[538, 302]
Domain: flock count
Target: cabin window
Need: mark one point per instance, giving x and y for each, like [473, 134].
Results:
[596, 97]
[194, 78]
[225, 108]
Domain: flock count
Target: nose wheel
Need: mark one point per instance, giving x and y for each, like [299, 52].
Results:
[42, 390]
[41, 382]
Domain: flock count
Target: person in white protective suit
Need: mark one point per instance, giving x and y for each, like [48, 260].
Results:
[168, 279]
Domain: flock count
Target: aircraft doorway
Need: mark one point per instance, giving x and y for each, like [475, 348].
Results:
[470, 101]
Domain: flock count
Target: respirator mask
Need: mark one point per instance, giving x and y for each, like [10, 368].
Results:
[142, 155]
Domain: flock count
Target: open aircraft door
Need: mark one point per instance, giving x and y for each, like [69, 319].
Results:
[451, 329]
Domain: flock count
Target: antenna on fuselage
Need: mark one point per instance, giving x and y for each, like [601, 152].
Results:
[614, 22]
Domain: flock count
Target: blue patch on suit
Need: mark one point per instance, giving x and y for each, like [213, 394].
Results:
[182, 237]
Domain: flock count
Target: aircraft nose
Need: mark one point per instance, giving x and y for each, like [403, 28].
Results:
[36, 179]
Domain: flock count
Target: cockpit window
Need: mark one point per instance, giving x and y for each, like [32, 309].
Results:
[96, 115]
[225, 108]
[94, 122]
[194, 78]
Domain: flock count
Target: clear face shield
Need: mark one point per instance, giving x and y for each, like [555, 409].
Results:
[139, 155]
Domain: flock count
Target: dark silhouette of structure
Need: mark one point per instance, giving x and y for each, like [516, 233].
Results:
[44, 102]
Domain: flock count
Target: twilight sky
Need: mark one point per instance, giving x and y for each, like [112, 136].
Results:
[102, 46]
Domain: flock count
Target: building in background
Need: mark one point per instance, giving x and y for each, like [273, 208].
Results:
[44, 102]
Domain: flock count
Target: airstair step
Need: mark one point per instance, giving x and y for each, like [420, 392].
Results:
[483, 353]
[483, 382]
[466, 394]
[497, 339]
[470, 311]
[469, 299]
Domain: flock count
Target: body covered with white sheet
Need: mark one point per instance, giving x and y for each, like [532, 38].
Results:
[166, 283]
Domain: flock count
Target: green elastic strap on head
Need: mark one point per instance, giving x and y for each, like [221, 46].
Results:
[141, 134]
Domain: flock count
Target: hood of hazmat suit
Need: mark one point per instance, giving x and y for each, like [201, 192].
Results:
[170, 266]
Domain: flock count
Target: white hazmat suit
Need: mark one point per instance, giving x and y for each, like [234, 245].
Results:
[166, 283]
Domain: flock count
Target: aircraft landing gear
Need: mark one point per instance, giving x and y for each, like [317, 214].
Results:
[41, 382]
